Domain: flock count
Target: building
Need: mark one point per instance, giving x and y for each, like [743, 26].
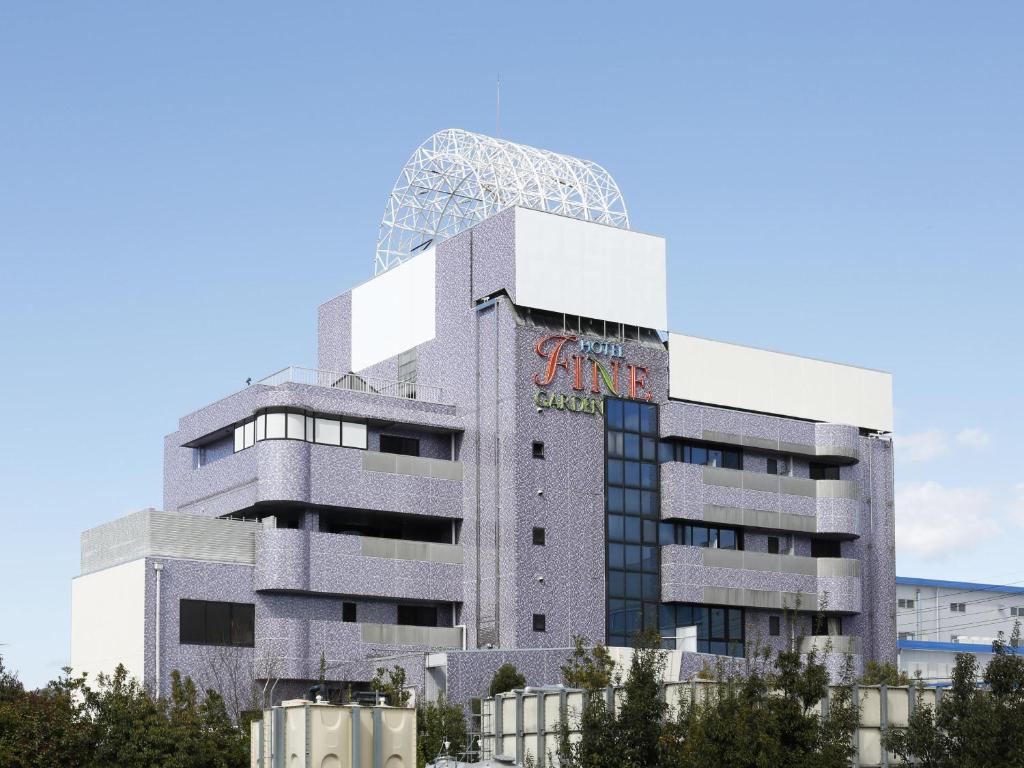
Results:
[501, 448]
[936, 620]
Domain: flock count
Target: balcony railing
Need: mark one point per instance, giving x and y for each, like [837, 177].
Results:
[352, 382]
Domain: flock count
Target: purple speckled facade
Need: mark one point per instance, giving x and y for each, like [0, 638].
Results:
[481, 491]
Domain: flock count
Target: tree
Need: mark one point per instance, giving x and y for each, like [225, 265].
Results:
[117, 723]
[970, 727]
[883, 674]
[591, 669]
[641, 716]
[507, 678]
[437, 723]
[390, 683]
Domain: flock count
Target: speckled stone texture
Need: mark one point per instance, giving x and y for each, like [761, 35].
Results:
[484, 359]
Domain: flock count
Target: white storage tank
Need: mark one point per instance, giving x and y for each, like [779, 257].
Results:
[307, 734]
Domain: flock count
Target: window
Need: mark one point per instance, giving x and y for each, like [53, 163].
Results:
[690, 453]
[774, 626]
[327, 431]
[906, 636]
[714, 537]
[773, 466]
[1017, 611]
[538, 537]
[958, 607]
[773, 545]
[205, 622]
[954, 638]
[348, 612]
[353, 435]
[826, 625]
[296, 425]
[407, 365]
[418, 615]
[275, 429]
[539, 622]
[719, 629]
[901, 603]
[633, 514]
[405, 446]
[538, 449]
[825, 548]
[824, 471]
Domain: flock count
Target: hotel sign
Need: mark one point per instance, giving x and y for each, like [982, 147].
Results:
[591, 369]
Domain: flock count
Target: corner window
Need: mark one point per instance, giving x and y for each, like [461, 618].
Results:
[296, 425]
[348, 612]
[207, 622]
[539, 622]
[538, 537]
[538, 449]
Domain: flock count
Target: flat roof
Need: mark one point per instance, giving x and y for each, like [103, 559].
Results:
[966, 586]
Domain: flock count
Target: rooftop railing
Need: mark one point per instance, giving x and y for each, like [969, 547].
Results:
[352, 382]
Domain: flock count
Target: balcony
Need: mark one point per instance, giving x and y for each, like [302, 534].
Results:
[404, 634]
[760, 500]
[759, 580]
[759, 431]
[342, 564]
[828, 644]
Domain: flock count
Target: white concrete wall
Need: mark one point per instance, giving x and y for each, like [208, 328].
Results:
[394, 311]
[752, 379]
[581, 268]
[108, 611]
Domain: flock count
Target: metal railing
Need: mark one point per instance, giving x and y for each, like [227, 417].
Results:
[353, 382]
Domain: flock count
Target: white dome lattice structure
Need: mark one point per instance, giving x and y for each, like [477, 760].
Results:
[456, 178]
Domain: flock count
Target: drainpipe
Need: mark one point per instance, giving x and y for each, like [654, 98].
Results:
[157, 567]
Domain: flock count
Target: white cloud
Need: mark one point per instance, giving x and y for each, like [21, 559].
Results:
[932, 520]
[974, 438]
[1017, 505]
[921, 446]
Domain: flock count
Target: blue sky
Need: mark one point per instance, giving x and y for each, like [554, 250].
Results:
[182, 184]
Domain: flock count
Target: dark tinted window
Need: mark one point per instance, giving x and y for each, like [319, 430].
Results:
[824, 471]
[709, 536]
[406, 446]
[719, 629]
[773, 626]
[539, 622]
[773, 545]
[825, 548]
[538, 449]
[690, 453]
[773, 466]
[348, 612]
[418, 615]
[193, 622]
[538, 536]
[205, 622]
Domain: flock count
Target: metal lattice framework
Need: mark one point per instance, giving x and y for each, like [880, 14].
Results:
[457, 178]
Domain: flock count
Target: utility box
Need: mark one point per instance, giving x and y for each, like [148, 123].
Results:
[307, 734]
